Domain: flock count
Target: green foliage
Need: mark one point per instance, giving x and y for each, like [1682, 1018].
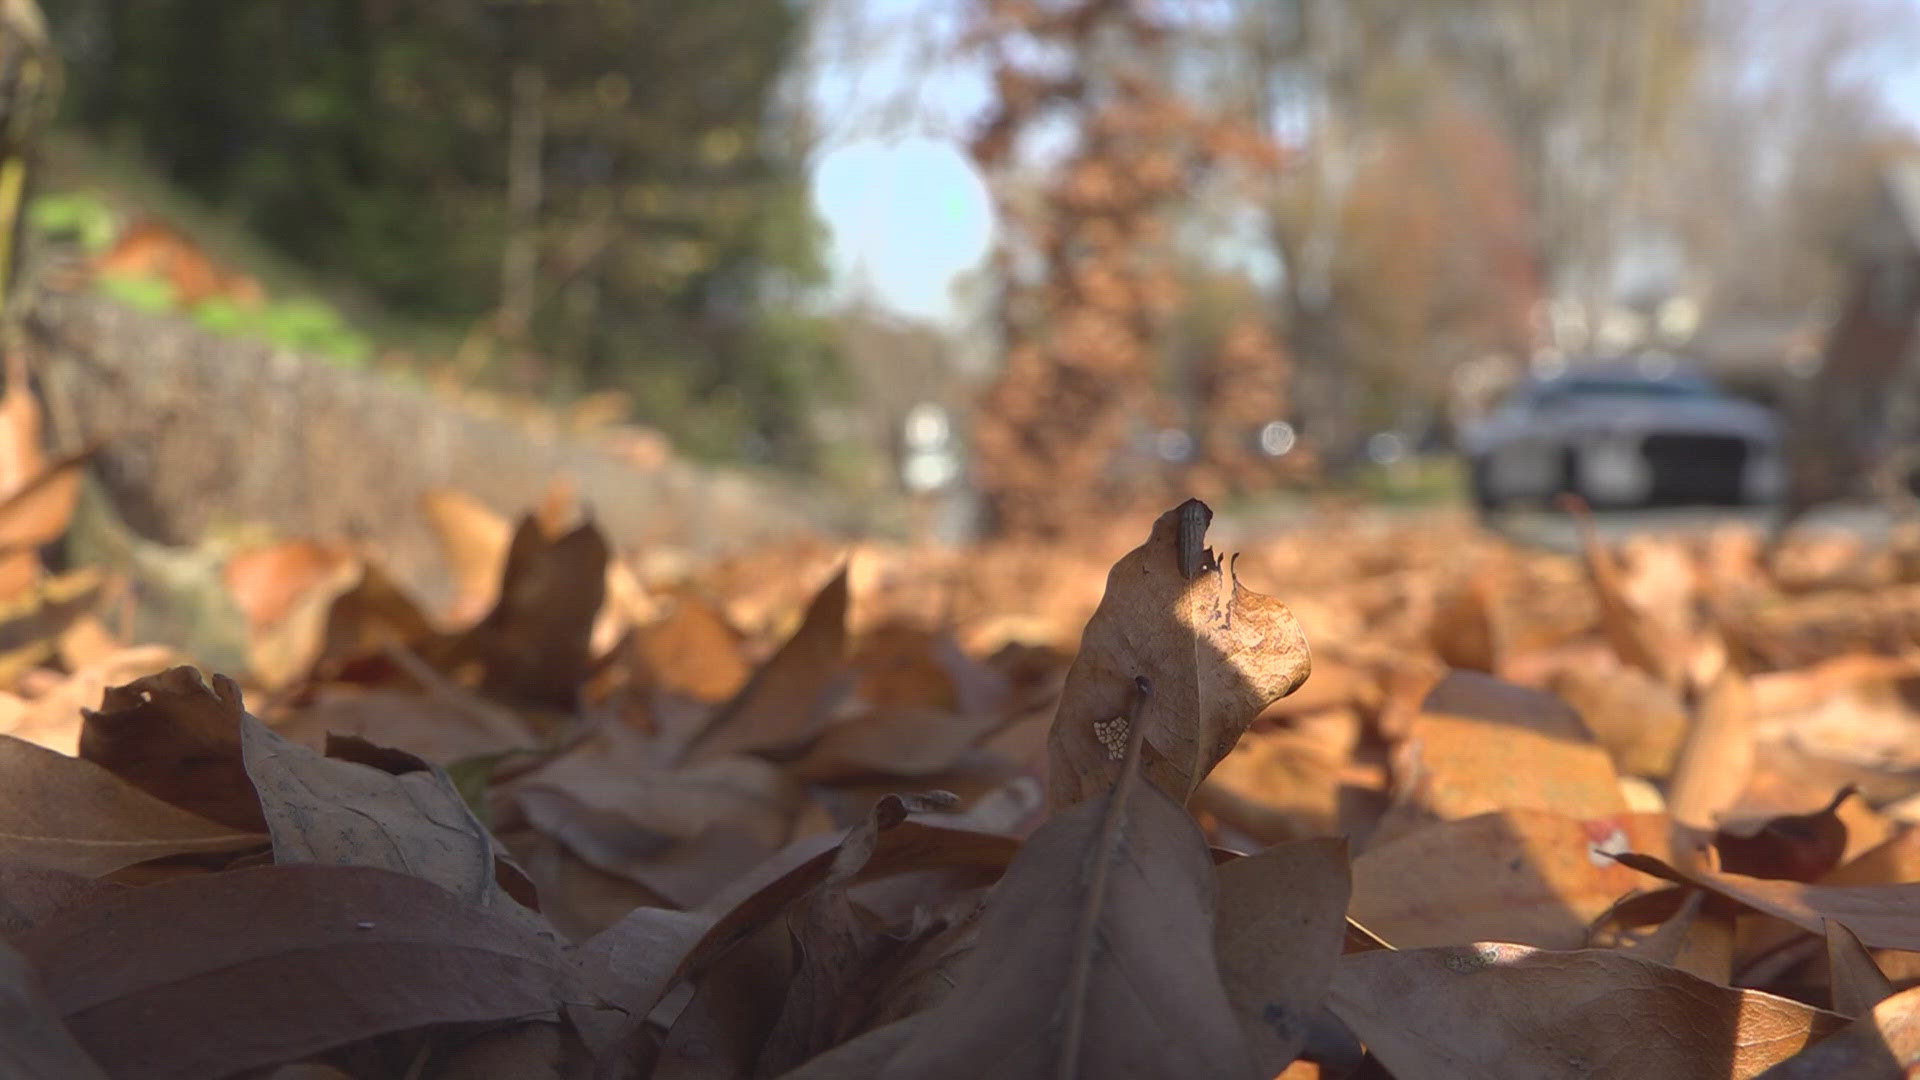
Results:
[305, 326]
[372, 142]
[80, 216]
[141, 291]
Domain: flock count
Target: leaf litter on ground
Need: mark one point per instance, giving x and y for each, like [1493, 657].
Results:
[619, 815]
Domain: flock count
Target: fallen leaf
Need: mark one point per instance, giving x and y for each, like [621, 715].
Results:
[1101, 903]
[1639, 720]
[179, 741]
[1883, 916]
[614, 773]
[1465, 632]
[762, 895]
[292, 959]
[68, 814]
[33, 1041]
[36, 512]
[1893, 860]
[903, 744]
[1479, 745]
[1492, 1011]
[836, 948]
[1794, 847]
[1277, 933]
[733, 1008]
[55, 717]
[692, 651]
[30, 893]
[1694, 942]
[475, 540]
[536, 643]
[33, 618]
[1528, 876]
[324, 810]
[1635, 637]
[267, 582]
[1215, 653]
[440, 728]
[1716, 761]
[783, 705]
[684, 871]
[1858, 983]
[627, 966]
[532, 1050]
[1883, 1045]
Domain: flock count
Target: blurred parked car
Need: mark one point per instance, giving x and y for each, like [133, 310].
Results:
[1622, 433]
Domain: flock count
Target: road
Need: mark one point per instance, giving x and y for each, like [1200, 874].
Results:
[1556, 532]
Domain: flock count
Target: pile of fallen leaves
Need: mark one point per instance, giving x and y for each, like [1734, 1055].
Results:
[928, 813]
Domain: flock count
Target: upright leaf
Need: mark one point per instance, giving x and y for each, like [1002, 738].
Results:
[1215, 652]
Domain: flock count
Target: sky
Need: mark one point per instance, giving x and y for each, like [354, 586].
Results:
[905, 208]
[906, 211]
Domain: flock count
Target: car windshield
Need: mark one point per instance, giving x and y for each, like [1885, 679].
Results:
[1613, 386]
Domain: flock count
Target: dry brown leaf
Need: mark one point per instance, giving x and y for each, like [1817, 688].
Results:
[614, 772]
[178, 740]
[1883, 916]
[1796, 847]
[1883, 1045]
[325, 810]
[29, 894]
[1699, 944]
[534, 1050]
[733, 1008]
[1529, 876]
[1036, 997]
[1277, 933]
[1466, 632]
[536, 643]
[293, 960]
[1493, 1011]
[627, 966]
[1858, 983]
[908, 744]
[33, 1042]
[1893, 860]
[36, 512]
[439, 728]
[1716, 761]
[692, 652]
[1480, 745]
[761, 896]
[1284, 784]
[1635, 637]
[837, 948]
[785, 703]
[475, 540]
[267, 582]
[1215, 653]
[684, 871]
[1640, 720]
[33, 619]
[73, 815]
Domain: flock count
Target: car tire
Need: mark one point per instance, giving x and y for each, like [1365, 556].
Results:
[1479, 487]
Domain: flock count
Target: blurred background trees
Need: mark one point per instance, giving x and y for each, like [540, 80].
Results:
[604, 195]
[1213, 217]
